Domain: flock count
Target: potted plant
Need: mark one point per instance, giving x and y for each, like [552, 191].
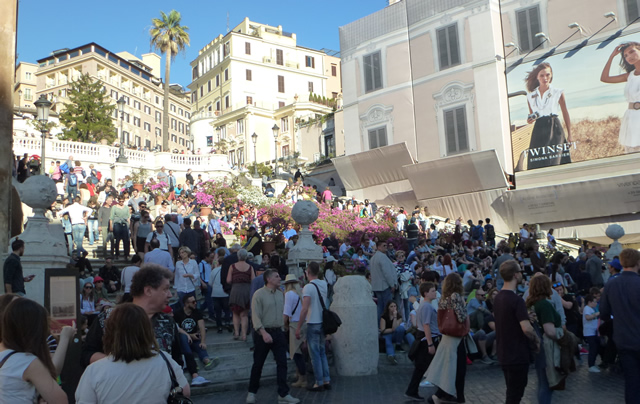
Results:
[138, 176]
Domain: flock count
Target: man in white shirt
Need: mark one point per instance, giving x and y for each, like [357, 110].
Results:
[77, 213]
[218, 295]
[400, 220]
[126, 276]
[158, 256]
[315, 290]
[162, 237]
[344, 247]
[173, 231]
[524, 233]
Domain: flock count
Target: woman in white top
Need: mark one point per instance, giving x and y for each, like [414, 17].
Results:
[135, 370]
[629, 136]
[292, 310]
[187, 274]
[26, 366]
[548, 146]
[551, 240]
[87, 305]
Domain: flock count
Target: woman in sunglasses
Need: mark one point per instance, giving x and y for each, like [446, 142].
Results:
[87, 305]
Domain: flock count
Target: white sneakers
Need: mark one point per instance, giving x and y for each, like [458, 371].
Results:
[198, 381]
[594, 369]
[288, 399]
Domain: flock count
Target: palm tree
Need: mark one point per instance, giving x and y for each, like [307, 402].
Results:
[170, 38]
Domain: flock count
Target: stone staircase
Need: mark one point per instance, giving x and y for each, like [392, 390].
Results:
[234, 369]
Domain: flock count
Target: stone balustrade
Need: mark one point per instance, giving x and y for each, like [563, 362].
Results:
[103, 157]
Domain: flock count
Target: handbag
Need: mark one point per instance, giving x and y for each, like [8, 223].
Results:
[330, 320]
[197, 291]
[448, 323]
[175, 393]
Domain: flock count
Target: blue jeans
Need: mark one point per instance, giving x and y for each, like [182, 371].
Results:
[93, 231]
[69, 238]
[121, 233]
[383, 297]
[630, 362]
[72, 192]
[78, 234]
[397, 337]
[316, 344]
[544, 392]
[188, 350]
[594, 347]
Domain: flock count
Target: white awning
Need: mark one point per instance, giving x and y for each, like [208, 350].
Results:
[373, 167]
[593, 229]
[455, 175]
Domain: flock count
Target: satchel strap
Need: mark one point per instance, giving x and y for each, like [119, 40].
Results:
[6, 357]
[320, 296]
[174, 381]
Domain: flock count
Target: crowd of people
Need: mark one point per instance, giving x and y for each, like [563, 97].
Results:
[449, 293]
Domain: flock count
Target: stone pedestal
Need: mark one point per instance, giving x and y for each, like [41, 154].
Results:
[614, 232]
[305, 250]
[45, 246]
[355, 344]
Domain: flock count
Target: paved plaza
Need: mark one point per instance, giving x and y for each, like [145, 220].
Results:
[484, 385]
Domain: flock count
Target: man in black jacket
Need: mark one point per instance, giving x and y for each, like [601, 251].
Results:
[254, 242]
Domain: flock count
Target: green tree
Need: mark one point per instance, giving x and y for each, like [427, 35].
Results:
[87, 117]
[170, 38]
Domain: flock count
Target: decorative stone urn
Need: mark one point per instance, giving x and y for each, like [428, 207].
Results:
[355, 344]
[614, 232]
[45, 246]
[306, 250]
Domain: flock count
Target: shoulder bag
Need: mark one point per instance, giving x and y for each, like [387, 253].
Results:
[175, 393]
[448, 323]
[330, 320]
[6, 357]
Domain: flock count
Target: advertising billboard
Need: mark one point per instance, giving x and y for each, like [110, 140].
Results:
[575, 106]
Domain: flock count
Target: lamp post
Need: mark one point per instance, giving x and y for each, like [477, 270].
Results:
[275, 130]
[20, 102]
[42, 106]
[121, 157]
[254, 138]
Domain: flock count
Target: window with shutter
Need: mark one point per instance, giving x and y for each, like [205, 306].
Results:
[281, 84]
[456, 134]
[528, 21]
[310, 62]
[247, 48]
[248, 75]
[632, 8]
[377, 137]
[311, 86]
[217, 80]
[448, 46]
[334, 70]
[226, 74]
[279, 57]
[372, 72]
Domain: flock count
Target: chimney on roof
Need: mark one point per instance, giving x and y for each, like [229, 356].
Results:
[393, 2]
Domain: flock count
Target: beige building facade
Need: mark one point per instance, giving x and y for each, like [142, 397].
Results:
[434, 76]
[256, 77]
[138, 80]
[24, 90]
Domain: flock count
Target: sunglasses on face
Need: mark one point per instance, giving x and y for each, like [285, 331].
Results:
[555, 285]
[88, 287]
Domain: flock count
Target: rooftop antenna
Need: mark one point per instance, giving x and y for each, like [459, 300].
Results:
[227, 21]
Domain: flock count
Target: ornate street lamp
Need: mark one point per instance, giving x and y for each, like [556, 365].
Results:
[43, 105]
[275, 130]
[254, 138]
[121, 157]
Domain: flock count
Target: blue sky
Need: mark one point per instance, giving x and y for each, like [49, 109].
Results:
[119, 25]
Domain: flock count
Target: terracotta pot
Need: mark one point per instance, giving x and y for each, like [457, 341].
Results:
[268, 246]
[139, 187]
[205, 211]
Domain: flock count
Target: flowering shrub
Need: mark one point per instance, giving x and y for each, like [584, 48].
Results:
[226, 230]
[210, 191]
[344, 223]
[253, 196]
[157, 189]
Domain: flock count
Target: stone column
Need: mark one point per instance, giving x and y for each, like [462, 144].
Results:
[8, 32]
[44, 244]
[355, 344]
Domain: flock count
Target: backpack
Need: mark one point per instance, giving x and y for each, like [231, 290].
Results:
[476, 233]
[64, 168]
[57, 174]
[491, 232]
[73, 180]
